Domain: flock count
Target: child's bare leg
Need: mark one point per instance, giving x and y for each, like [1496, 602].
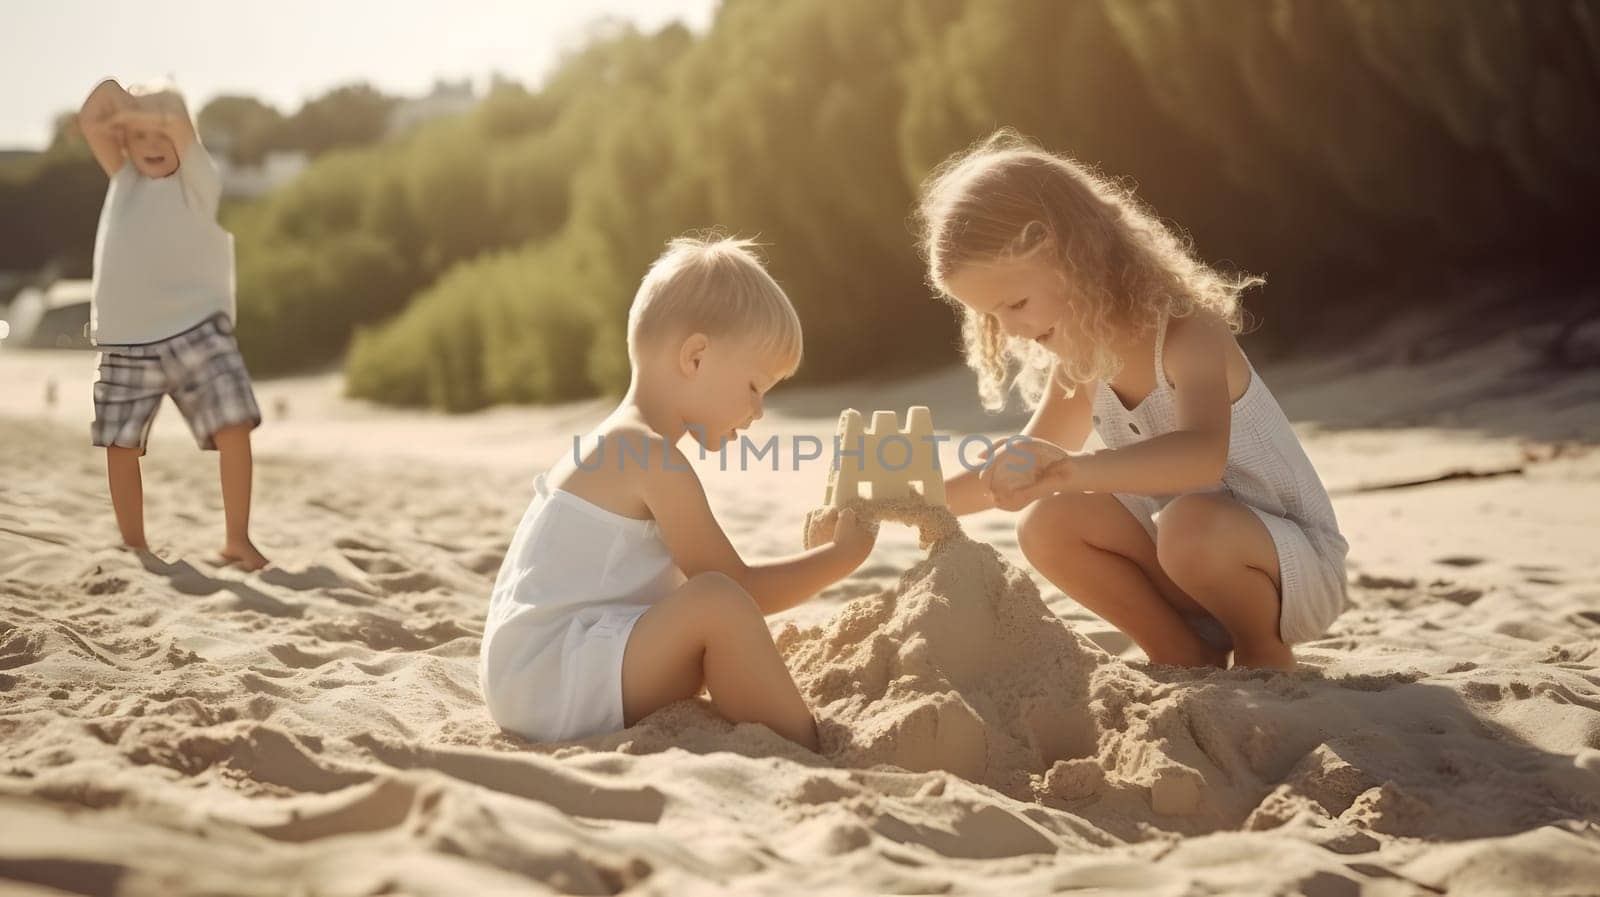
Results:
[233, 447]
[1091, 548]
[127, 493]
[710, 633]
[1223, 556]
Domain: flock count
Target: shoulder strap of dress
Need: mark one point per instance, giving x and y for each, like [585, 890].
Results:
[1161, 341]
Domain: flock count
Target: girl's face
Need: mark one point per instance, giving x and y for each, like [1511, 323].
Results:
[728, 385]
[152, 153]
[1025, 296]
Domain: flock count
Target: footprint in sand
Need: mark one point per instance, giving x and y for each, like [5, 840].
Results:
[383, 633]
[292, 655]
[412, 581]
[485, 562]
[1368, 581]
[374, 562]
[344, 543]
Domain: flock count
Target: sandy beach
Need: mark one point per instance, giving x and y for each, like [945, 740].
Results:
[169, 725]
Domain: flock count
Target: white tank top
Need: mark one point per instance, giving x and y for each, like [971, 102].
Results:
[1267, 468]
[570, 566]
[162, 264]
[570, 553]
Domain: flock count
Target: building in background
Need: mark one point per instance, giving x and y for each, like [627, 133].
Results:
[277, 168]
[51, 317]
[446, 99]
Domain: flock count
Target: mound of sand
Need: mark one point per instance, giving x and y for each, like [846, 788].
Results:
[961, 667]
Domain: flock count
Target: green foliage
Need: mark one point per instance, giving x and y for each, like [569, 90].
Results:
[507, 327]
[246, 127]
[1329, 144]
[1326, 143]
[49, 203]
[317, 296]
[353, 115]
[348, 116]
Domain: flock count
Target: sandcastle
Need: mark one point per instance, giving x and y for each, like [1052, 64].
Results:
[960, 666]
[870, 447]
[866, 456]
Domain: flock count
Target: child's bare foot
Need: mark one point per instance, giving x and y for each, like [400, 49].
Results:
[243, 555]
[1277, 656]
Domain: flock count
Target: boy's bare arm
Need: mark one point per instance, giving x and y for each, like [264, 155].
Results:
[782, 583]
[164, 112]
[97, 121]
[698, 544]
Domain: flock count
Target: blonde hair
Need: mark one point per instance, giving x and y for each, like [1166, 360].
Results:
[715, 285]
[1006, 199]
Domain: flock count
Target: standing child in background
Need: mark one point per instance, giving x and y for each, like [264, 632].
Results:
[620, 592]
[1202, 527]
[163, 305]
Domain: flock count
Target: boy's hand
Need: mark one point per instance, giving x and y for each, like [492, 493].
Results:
[853, 537]
[1023, 470]
[140, 112]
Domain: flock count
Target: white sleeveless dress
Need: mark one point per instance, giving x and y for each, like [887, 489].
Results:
[574, 581]
[1267, 471]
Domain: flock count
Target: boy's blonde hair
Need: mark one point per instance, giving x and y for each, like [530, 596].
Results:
[1007, 199]
[714, 285]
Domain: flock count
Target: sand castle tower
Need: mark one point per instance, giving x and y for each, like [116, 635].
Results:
[890, 460]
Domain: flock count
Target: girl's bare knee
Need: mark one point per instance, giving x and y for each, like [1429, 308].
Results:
[1188, 534]
[1048, 524]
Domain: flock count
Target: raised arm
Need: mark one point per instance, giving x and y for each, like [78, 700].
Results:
[164, 112]
[1060, 419]
[96, 119]
[698, 544]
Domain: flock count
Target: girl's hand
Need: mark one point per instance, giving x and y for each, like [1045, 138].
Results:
[1056, 477]
[1023, 470]
[853, 537]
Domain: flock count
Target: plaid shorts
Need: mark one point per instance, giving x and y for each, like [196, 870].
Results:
[201, 369]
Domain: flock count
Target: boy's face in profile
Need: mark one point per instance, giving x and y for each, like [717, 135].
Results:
[151, 152]
[729, 389]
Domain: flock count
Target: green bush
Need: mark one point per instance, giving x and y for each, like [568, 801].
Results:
[508, 327]
[1330, 144]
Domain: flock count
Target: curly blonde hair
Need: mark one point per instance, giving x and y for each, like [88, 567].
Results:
[1005, 198]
